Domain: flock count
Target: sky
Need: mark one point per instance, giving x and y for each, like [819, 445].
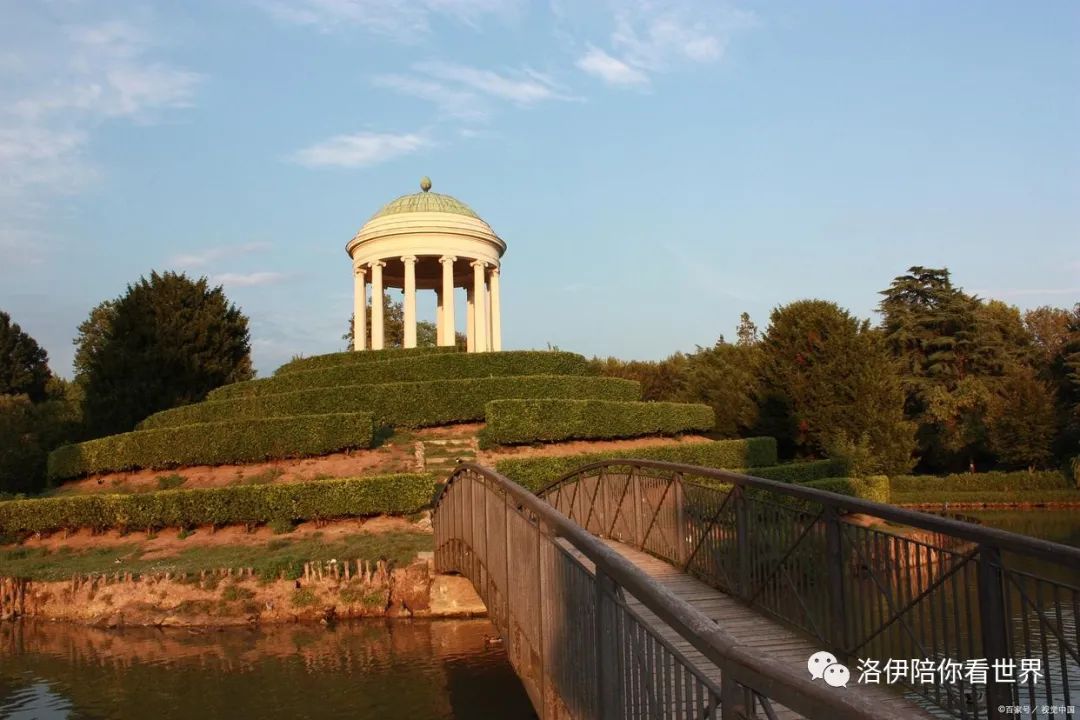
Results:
[655, 168]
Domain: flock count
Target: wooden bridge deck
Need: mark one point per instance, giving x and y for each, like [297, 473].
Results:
[745, 625]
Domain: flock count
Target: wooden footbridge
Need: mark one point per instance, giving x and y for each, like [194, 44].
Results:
[640, 589]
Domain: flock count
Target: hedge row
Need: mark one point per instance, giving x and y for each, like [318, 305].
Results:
[438, 366]
[799, 472]
[954, 497]
[875, 488]
[536, 473]
[356, 358]
[214, 444]
[988, 481]
[411, 404]
[237, 504]
[526, 421]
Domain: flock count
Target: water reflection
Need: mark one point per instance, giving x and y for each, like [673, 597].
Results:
[385, 670]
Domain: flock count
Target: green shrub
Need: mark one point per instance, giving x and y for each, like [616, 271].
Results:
[438, 366]
[875, 487]
[408, 404]
[981, 482]
[214, 444]
[798, 472]
[234, 504]
[350, 357]
[536, 473]
[957, 497]
[524, 421]
[170, 482]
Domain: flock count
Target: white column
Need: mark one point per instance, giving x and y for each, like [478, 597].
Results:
[496, 313]
[377, 300]
[438, 316]
[479, 290]
[359, 308]
[470, 321]
[449, 330]
[410, 300]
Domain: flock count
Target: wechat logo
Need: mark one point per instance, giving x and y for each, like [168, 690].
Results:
[823, 666]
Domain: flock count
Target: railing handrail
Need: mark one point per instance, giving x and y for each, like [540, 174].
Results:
[1013, 542]
[767, 676]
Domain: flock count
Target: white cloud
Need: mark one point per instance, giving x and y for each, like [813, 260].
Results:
[210, 255]
[652, 36]
[451, 102]
[610, 69]
[247, 279]
[403, 20]
[523, 88]
[62, 80]
[361, 149]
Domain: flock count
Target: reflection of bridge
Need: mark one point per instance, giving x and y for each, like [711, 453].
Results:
[639, 589]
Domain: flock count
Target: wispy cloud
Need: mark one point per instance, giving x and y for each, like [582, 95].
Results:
[652, 36]
[403, 20]
[62, 81]
[610, 69]
[205, 257]
[248, 279]
[359, 150]
[470, 94]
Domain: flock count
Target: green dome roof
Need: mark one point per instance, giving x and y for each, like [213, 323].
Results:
[426, 201]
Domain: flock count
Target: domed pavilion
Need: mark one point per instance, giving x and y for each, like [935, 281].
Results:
[428, 241]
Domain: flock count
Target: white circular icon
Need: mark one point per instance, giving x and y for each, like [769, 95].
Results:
[818, 662]
[837, 675]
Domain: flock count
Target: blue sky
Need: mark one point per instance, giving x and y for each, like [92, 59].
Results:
[655, 168]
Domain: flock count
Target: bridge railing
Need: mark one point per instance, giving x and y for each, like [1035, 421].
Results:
[557, 594]
[871, 582]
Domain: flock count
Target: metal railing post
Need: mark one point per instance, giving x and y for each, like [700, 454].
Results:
[609, 671]
[993, 622]
[680, 521]
[833, 558]
[742, 540]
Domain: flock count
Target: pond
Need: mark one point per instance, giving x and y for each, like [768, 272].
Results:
[388, 670]
[1058, 524]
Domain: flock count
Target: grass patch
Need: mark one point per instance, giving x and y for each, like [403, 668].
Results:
[305, 597]
[170, 482]
[270, 560]
[235, 592]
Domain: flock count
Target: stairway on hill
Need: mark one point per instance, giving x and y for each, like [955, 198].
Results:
[441, 455]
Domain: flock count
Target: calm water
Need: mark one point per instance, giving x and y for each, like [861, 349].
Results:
[1061, 526]
[363, 670]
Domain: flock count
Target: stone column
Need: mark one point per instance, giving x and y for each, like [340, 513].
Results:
[377, 299]
[359, 308]
[479, 291]
[496, 312]
[470, 321]
[410, 300]
[449, 331]
[438, 316]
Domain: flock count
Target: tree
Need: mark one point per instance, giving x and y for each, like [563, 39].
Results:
[28, 431]
[91, 337]
[954, 351]
[827, 377]
[24, 365]
[725, 377]
[1024, 421]
[747, 331]
[167, 341]
[427, 334]
[662, 380]
[1049, 330]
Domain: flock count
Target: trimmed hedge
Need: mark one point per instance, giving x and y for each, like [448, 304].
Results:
[799, 472]
[955, 497]
[236, 504]
[536, 473]
[875, 488]
[438, 366]
[525, 421]
[214, 444]
[985, 482]
[413, 404]
[350, 357]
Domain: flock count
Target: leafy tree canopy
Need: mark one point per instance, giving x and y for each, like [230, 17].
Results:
[24, 365]
[167, 341]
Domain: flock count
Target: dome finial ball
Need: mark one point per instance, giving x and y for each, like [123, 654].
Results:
[425, 183]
